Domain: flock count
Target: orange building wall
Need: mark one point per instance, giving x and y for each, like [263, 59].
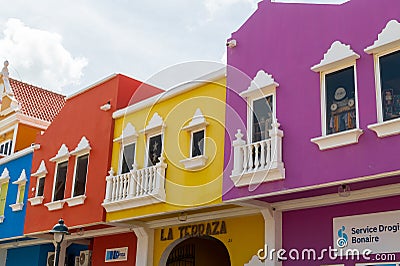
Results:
[26, 135]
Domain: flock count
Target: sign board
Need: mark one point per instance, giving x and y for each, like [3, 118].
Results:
[116, 254]
[378, 232]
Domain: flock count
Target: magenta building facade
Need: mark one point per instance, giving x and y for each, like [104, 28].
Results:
[314, 127]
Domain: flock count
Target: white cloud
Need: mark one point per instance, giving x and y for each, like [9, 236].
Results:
[326, 2]
[38, 56]
[214, 6]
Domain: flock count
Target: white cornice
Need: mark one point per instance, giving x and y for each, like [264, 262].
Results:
[61, 155]
[41, 171]
[82, 148]
[260, 81]
[389, 37]
[92, 86]
[128, 134]
[32, 121]
[190, 85]
[18, 154]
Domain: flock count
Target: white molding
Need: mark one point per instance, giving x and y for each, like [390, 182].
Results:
[18, 154]
[5, 176]
[338, 139]
[2, 218]
[259, 176]
[128, 134]
[21, 179]
[36, 200]
[145, 200]
[198, 122]
[41, 171]
[334, 198]
[338, 54]
[33, 121]
[387, 128]
[16, 206]
[387, 39]
[144, 245]
[82, 148]
[194, 163]
[62, 154]
[155, 124]
[55, 205]
[181, 88]
[104, 80]
[77, 200]
[261, 81]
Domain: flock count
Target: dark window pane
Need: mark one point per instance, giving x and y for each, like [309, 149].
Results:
[80, 175]
[60, 181]
[198, 143]
[154, 150]
[340, 101]
[9, 148]
[262, 118]
[6, 149]
[128, 158]
[40, 187]
[390, 85]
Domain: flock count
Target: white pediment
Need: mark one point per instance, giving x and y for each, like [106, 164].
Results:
[156, 123]
[198, 121]
[83, 147]
[260, 81]
[22, 178]
[390, 35]
[129, 133]
[61, 155]
[5, 176]
[338, 54]
[41, 171]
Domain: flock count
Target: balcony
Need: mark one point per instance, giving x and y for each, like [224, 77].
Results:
[139, 187]
[259, 162]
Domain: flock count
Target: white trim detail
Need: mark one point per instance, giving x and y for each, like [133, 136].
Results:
[77, 200]
[82, 148]
[387, 128]
[155, 124]
[338, 139]
[41, 171]
[129, 134]
[17, 206]
[193, 163]
[62, 154]
[144, 245]
[1, 218]
[387, 39]
[198, 122]
[55, 205]
[36, 200]
[21, 179]
[21, 182]
[5, 176]
[261, 80]
[337, 55]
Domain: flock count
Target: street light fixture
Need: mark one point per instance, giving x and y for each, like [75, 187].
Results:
[59, 231]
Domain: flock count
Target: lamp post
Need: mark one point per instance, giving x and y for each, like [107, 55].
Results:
[59, 231]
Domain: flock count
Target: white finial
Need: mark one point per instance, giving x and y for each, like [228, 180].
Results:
[5, 74]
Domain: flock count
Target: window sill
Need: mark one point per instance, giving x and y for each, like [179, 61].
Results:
[338, 140]
[17, 207]
[387, 128]
[1, 219]
[78, 200]
[259, 176]
[36, 200]
[195, 162]
[55, 205]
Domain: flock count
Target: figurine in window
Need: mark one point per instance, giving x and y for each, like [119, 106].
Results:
[388, 104]
[343, 116]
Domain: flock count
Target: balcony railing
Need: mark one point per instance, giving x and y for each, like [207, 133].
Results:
[255, 163]
[136, 188]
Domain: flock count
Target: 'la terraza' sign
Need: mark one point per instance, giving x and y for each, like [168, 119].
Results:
[193, 230]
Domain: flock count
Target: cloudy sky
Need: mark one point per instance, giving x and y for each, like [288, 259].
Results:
[65, 46]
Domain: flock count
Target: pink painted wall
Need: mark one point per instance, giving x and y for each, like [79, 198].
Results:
[286, 40]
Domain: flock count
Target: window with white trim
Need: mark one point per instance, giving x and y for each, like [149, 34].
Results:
[6, 147]
[261, 118]
[154, 135]
[386, 52]
[339, 106]
[21, 182]
[81, 167]
[127, 157]
[40, 174]
[4, 179]
[197, 147]
[60, 180]
[40, 186]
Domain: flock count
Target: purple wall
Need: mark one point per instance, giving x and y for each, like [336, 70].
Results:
[285, 40]
[312, 228]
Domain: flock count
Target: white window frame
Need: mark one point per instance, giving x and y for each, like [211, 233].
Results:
[61, 157]
[250, 108]
[21, 182]
[40, 173]
[197, 124]
[388, 42]
[4, 179]
[128, 136]
[82, 149]
[338, 57]
[156, 126]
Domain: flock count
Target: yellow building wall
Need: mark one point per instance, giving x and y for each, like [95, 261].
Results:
[184, 188]
[243, 238]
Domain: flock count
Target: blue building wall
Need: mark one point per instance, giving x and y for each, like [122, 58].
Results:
[13, 224]
[29, 256]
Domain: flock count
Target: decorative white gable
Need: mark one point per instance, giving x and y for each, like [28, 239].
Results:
[156, 123]
[198, 121]
[41, 171]
[387, 39]
[82, 148]
[5, 176]
[338, 54]
[261, 80]
[22, 178]
[62, 154]
[128, 134]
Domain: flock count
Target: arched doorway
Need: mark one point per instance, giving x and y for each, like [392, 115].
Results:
[199, 251]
